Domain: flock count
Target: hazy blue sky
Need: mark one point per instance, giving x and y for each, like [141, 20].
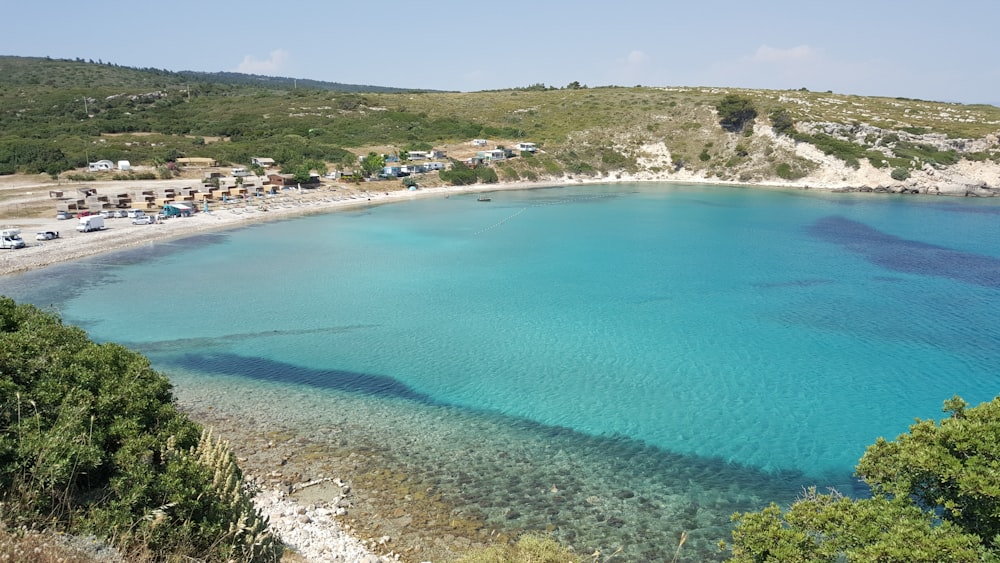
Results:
[941, 50]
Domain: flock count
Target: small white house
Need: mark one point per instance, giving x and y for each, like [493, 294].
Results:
[263, 162]
[124, 165]
[526, 147]
[101, 166]
[479, 142]
[492, 155]
[416, 155]
[434, 166]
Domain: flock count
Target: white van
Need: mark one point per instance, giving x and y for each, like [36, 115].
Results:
[11, 238]
[90, 223]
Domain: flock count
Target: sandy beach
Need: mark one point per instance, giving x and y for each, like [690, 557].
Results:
[120, 233]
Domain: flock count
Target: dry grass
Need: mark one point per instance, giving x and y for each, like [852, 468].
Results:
[43, 547]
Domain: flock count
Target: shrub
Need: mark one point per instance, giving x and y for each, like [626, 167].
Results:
[486, 175]
[935, 497]
[508, 173]
[926, 153]
[90, 441]
[899, 174]
[459, 174]
[735, 112]
[782, 122]
[704, 156]
[787, 172]
[849, 152]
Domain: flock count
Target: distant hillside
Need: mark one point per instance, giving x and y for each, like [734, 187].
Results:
[240, 79]
[65, 73]
[56, 116]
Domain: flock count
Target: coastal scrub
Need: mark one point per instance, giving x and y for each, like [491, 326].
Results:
[92, 442]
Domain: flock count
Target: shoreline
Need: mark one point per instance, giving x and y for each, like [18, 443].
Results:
[120, 234]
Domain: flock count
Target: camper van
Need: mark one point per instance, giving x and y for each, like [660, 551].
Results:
[11, 238]
[90, 223]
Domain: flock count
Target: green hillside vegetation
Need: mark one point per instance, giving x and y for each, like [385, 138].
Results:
[56, 116]
[91, 443]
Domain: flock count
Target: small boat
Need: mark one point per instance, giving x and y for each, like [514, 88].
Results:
[484, 198]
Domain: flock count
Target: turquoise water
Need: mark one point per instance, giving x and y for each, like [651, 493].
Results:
[704, 348]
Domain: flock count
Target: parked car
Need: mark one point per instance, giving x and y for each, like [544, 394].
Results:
[46, 235]
[144, 220]
[83, 214]
[121, 214]
[63, 215]
[134, 213]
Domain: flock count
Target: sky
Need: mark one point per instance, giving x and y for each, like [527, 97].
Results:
[940, 51]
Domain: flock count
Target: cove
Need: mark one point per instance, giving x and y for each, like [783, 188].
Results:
[672, 353]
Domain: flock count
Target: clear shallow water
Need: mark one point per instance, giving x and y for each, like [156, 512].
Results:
[723, 346]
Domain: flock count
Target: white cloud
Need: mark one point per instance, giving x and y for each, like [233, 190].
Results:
[632, 67]
[636, 59]
[269, 67]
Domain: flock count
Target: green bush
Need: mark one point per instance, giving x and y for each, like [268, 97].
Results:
[935, 497]
[735, 112]
[90, 441]
[925, 153]
[486, 175]
[508, 173]
[899, 174]
[459, 174]
[782, 122]
[849, 152]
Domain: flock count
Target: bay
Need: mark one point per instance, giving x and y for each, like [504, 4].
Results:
[660, 355]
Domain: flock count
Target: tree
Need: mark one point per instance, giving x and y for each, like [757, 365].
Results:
[953, 467]
[372, 164]
[936, 497]
[735, 112]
